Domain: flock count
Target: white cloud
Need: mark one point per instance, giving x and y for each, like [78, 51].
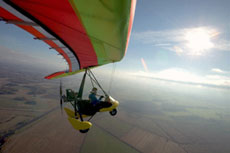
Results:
[183, 76]
[15, 57]
[186, 41]
[222, 44]
[159, 37]
[166, 44]
[216, 70]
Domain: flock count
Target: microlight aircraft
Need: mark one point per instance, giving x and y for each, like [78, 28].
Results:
[87, 33]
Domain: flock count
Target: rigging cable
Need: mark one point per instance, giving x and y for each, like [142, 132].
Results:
[112, 77]
[91, 79]
[95, 81]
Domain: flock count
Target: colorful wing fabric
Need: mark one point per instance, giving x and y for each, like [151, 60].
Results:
[86, 33]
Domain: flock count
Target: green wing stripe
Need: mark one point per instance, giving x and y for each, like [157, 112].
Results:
[106, 23]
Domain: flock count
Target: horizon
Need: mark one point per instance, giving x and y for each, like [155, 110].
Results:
[173, 86]
[192, 45]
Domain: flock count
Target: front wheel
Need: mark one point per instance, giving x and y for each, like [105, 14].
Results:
[84, 131]
[113, 112]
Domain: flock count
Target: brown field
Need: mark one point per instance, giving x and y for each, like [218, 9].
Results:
[112, 124]
[142, 122]
[175, 134]
[150, 143]
[166, 126]
[22, 99]
[9, 121]
[51, 134]
[140, 132]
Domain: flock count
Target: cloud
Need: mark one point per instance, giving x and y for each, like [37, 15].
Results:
[14, 57]
[186, 41]
[222, 44]
[216, 70]
[159, 37]
[162, 44]
[179, 75]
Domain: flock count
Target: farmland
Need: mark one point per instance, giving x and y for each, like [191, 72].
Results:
[157, 120]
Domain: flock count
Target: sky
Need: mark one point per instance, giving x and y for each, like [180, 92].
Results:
[181, 40]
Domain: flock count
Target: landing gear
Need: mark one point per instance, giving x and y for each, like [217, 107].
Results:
[83, 108]
[84, 131]
[113, 112]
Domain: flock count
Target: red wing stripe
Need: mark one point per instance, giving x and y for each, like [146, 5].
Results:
[12, 14]
[59, 19]
[54, 75]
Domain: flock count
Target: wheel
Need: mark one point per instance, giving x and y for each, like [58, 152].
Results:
[113, 112]
[84, 131]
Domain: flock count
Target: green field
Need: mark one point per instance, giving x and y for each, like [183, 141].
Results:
[98, 141]
[114, 125]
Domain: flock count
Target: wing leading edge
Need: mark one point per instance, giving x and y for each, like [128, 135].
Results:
[85, 35]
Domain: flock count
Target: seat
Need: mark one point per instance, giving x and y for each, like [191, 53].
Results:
[85, 107]
[70, 95]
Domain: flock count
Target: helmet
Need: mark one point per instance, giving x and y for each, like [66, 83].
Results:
[94, 90]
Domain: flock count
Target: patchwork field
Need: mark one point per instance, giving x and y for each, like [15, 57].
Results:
[51, 133]
[98, 140]
[160, 119]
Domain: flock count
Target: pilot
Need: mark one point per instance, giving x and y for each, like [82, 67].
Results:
[93, 98]
[97, 103]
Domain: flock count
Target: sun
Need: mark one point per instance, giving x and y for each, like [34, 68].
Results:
[198, 41]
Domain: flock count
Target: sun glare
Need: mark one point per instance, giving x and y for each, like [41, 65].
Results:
[199, 41]
[178, 75]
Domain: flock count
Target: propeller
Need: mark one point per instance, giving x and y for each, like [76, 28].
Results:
[61, 99]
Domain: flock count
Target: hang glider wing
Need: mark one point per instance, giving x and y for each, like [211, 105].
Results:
[86, 33]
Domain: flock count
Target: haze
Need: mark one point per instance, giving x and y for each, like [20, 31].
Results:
[173, 86]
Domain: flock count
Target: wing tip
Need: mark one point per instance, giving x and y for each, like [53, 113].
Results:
[54, 75]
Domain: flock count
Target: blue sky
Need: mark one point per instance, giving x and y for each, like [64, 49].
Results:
[163, 35]
[159, 22]
[186, 40]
